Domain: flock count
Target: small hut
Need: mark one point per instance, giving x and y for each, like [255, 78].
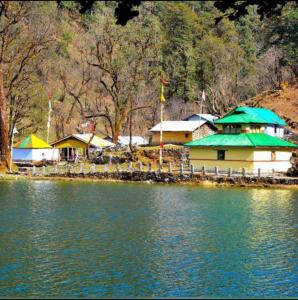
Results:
[34, 149]
[78, 145]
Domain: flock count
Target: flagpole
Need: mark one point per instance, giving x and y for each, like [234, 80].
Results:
[49, 118]
[11, 152]
[162, 100]
[14, 131]
[160, 136]
[202, 99]
[201, 105]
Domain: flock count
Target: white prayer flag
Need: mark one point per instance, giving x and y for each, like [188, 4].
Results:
[14, 131]
[49, 118]
[203, 96]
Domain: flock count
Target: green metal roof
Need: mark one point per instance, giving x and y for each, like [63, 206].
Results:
[240, 140]
[242, 114]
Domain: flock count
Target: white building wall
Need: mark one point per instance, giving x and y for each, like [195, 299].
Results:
[262, 155]
[35, 154]
[283, 155]
[270, 129]
[263, 160]
[279, 166]
[49, 154]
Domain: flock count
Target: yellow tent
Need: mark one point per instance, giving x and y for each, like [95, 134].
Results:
[32, 142]
[34, 149]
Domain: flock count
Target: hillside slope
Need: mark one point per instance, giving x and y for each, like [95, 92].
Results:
[284, 102]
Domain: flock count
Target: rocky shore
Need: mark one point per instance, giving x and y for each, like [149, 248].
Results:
[158, 177]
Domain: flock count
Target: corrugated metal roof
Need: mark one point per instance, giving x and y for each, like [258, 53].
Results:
[137, 140]
[207, 117]
[244, 114]
[178, 125]
[240, 140]
[96, 141]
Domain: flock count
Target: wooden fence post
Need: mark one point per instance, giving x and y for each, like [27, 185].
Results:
[81, 168]
[181, 168]
[117, 167]
[106, 167]
[92, 168]
[149, 167]
[216, 171]
[140, 165]
[230, 172]
[243, 172]
[203, 170]
[33, 170]
[259, 172]
[159, 167]
[43, 170]
[192, 169]
[273, 172]
[170, 169]
[130, 168]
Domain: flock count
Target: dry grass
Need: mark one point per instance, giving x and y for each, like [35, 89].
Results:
[283, 102]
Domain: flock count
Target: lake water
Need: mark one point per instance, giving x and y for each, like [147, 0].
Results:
[74, 239]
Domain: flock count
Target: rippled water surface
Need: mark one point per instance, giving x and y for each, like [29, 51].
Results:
[73, 239]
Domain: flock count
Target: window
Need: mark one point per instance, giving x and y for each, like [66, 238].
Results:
[275, 129]
[186, 135]
[255, 128]
[227, 129]
[232, 128]
[273, 155]
[221, 154]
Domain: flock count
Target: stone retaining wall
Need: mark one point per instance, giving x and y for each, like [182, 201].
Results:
[176, 178]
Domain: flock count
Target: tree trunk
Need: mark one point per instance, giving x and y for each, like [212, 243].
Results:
[4, 149]
[116, 131]
[93, 128]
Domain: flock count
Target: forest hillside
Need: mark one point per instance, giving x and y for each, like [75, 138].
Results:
[94, 71]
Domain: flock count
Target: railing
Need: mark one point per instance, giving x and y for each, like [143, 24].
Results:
[183, 169]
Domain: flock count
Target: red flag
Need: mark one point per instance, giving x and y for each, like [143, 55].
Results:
[164, 81]
[92, 127]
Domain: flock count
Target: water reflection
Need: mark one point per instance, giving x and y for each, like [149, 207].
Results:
[125, 240]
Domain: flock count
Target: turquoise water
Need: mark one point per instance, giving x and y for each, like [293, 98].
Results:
[73, 239]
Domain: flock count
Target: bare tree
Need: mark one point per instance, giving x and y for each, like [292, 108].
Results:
[124, 60]
[22, 44]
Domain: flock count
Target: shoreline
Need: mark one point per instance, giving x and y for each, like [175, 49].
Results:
[165, 178]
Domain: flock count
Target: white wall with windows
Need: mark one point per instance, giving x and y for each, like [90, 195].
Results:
[275, 130]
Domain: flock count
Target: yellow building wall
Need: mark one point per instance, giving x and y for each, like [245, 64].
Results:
[236, 159]
[169, 137]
